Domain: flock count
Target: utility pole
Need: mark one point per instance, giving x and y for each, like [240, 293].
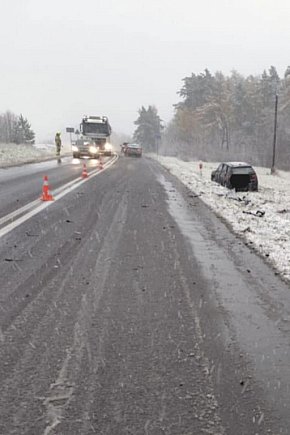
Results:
[157, 147]
[157, 140]
[275, 135]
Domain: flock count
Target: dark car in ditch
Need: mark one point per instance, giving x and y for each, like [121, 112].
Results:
[236, 175]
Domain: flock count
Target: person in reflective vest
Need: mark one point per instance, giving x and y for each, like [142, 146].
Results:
[57, 143]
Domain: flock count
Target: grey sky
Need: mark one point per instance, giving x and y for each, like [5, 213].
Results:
[63, 59]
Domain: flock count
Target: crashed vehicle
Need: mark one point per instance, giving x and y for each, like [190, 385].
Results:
[236, 175]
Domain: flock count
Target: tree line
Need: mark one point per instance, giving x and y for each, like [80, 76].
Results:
[149, 128]
[15, 129]
[222, 117]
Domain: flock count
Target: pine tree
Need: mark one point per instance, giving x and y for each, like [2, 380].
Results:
[222, 117]
[197, 90]
[149, 128]
[23, 131]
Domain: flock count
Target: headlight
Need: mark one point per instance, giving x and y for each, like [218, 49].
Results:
[108, 146]
[74, 148]
[93, 149]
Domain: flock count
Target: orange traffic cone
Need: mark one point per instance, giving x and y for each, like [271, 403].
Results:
[101, 166]
[46, 195]
[85, 172]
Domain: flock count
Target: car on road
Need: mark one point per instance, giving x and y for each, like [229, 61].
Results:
[108, 149]
[123, 147]
[85, 148]
[133, 149]
[236, 175]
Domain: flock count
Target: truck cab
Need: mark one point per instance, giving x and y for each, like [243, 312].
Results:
[98, 129]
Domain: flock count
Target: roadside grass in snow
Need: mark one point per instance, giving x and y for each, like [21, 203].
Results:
[12, 154]
[269, 234]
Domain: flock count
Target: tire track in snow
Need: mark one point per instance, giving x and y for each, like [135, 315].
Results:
[63, 389]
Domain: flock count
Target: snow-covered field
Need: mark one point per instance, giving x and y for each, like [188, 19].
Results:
[11, 154]
[270, 233]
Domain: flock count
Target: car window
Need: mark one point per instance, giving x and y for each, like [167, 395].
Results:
[224, 169]
[243, 170]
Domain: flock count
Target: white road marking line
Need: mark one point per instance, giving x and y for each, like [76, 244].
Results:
[67, 188]
[17, 212]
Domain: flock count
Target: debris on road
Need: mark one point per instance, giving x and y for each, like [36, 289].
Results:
[31, 235]
[259, 213]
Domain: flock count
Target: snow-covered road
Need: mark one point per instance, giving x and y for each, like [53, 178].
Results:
[269, 234]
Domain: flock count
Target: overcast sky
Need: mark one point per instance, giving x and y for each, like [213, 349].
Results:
[61, 59]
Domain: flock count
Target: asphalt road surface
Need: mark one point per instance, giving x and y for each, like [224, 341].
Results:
[128, 307]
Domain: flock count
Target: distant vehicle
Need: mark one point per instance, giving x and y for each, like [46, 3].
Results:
[236, 175]
[133, 149]
[98, 130]
[123, 147]
[107, 149]
[85, 148]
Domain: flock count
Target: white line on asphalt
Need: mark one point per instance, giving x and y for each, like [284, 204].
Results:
[67, 188]
[18, 212]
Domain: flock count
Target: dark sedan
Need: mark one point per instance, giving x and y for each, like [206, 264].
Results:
[133, 149]
[236, 175]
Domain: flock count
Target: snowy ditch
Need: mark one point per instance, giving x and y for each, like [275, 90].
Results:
[262, 218]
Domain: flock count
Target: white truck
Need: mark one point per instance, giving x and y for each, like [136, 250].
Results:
[95, 138]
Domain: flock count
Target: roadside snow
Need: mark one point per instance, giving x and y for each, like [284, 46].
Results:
[270, 233]
[11, 154]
